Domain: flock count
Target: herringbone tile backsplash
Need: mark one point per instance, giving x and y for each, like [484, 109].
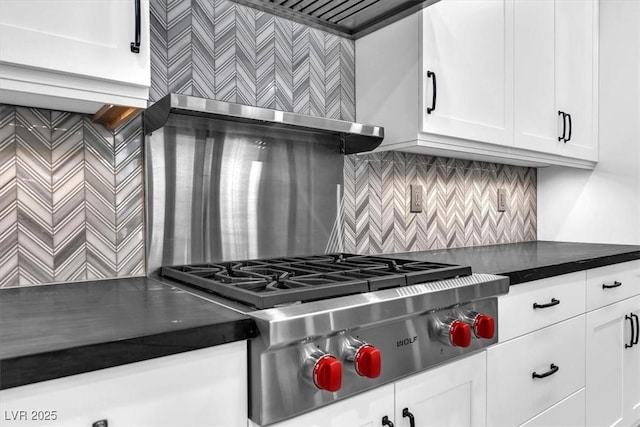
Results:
[460, 203]
[221, 50]
[71, 193]
[71, 198]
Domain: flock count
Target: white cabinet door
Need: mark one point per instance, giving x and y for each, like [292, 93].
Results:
[478, 79]
[554, 45]
[531, 373]
[613, 368]
[197, 388]
[56, 52]
[575, 70]
[467, 60]
[451, 395]
[363, 410]
[537, 124]
[566, 413]
[632, 370]
[86, 37]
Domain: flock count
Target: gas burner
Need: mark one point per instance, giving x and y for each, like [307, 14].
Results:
[277, 281]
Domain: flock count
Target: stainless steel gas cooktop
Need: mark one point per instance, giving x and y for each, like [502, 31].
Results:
[277, 281]
[331, 326]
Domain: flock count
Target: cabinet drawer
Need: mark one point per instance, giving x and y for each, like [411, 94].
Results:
[627, 274]
[511, 365]
[516, 309]
[568, 413]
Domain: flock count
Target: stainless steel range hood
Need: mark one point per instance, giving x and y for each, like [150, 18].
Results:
[347, 18]
[355, 137]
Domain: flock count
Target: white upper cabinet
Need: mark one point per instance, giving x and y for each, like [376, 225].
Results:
[554, 46]
[74, 55]
[485, 80]
[464, 75]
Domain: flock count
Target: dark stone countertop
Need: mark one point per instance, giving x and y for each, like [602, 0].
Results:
[528, 261]
[52, 331]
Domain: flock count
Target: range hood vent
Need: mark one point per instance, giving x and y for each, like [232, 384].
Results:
[356, 137]
[347, 18]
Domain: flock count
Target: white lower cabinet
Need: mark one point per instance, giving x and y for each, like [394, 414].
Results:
[365, 409]
[587, 324]
[567, 413]
[613, 365]
[453, 394]
[197, 388]
[529, 374]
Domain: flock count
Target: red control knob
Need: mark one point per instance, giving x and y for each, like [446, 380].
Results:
[460, 334]
[327, 373]
[368, 361]
[484, 326]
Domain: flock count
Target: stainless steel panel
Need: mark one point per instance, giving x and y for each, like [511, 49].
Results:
[220, 190]
[293, 323]
[281, 388]
[346, 18]
[355, 137]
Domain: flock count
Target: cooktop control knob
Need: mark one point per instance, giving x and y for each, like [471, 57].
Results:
[452, 331]
[368, 361]
[484, 326]
[327, 373]
[459, 334]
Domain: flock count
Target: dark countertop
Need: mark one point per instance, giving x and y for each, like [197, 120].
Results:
[53, 331]
[57, 330]
[527, 261]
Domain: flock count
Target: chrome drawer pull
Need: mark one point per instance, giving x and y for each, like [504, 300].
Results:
[549, 304]
[553, 369]
[615, 285]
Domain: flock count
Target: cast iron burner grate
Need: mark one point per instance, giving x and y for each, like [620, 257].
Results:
[271, 282]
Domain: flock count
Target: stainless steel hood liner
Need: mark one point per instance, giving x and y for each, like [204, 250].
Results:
[347, 18]
[356, 137]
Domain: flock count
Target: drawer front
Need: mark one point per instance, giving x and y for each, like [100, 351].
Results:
[511, 365]
[516, 312]
[568, 413]
[620, 281]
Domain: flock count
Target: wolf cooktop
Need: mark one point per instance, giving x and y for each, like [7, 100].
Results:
[273, 282]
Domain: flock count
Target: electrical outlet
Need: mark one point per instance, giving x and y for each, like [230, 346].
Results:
[502, 200]
[416, 198]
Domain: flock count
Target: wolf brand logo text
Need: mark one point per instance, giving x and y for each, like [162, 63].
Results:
[406, 341]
